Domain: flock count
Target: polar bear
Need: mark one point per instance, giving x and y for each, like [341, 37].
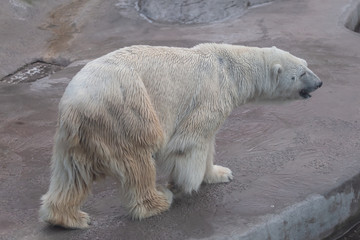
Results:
[143, 109]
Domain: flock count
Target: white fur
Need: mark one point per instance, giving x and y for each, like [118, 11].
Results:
[143, 107]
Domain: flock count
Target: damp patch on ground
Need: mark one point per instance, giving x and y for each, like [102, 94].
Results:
[32, 72]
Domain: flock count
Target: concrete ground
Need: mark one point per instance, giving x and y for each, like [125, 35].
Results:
[296, 165]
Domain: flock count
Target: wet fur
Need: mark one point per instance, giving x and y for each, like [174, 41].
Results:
[144, 109]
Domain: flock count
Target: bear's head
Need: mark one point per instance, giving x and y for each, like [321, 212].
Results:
[290, 76]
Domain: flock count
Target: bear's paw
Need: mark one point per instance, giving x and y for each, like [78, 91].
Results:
[218, 174]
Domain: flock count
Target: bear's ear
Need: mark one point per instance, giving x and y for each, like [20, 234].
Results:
[276, 70]
[304, 62]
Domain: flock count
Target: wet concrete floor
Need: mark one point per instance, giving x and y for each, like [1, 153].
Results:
[284, 157]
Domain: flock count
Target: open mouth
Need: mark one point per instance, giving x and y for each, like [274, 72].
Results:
[304, 93]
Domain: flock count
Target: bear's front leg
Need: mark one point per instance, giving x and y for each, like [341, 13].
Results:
[189, 167]
[215, 173]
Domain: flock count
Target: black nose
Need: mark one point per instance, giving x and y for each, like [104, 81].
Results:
[319, 85]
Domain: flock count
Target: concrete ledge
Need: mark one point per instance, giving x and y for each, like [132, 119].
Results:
[316, 217]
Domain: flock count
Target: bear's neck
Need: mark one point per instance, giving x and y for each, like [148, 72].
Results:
[246, 69]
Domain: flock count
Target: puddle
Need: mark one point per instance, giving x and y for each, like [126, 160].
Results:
[353, 20]
[193, 11]
[32, 72]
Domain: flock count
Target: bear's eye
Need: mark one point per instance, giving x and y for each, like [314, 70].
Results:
[303, 74]
[293, 78]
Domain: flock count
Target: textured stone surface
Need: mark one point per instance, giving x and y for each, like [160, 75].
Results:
[296, 166]
[193, 11]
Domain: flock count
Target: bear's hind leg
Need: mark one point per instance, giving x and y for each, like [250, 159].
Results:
[215, 173]
[70, 184]
[139, 192]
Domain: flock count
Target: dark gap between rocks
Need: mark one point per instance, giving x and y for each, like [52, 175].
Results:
[32, 72]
